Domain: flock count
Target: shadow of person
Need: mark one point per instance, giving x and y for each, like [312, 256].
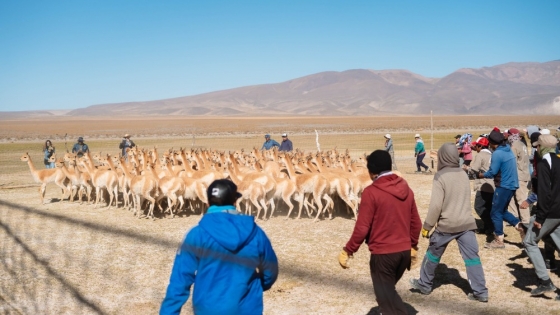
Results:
[524, 277]
[409, 308]
[445, 275]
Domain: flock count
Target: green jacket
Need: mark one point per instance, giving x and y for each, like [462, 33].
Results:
[419, 148]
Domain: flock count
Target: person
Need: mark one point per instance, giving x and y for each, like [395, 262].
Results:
[546, 220]
[503, 169]
[459, 147]
[389, 148]
[48, 150]
[484, 187]
[450, 213]
[419, 154]
[286, 144]
[389, 222]
[269, 143]
[227, 257]
[466, 149]
[126, 143]
[80, 148]
[519, 150]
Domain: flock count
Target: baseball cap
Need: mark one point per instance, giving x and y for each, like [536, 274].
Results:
[547, 141]
[513, 131]
[222, 192]
[284, 135]
[80, 139]
[388, 136]
[457, 136]
[267, 136]
[482, 141]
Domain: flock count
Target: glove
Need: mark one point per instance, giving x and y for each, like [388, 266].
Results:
[425, 233]
[343, 259]
[413, 257]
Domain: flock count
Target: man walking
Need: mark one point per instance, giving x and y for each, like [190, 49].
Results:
[286, 144]
[503, 168]
[519, 150]
[389, 148]
[388, 220]
[450, 212]
[546, 220]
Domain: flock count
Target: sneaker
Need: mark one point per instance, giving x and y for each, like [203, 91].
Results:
[416, 286]
[428, 171]
[550, 264]
[473, 297]
[542, 288]
[495, 244]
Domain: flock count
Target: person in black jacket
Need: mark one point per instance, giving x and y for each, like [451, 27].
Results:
[546, 220]
[126, 143]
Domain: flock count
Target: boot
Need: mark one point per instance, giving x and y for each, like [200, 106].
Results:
[497, 243]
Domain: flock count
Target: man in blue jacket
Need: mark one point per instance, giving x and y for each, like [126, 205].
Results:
[269, 143]
[228, 258]
[503, 169]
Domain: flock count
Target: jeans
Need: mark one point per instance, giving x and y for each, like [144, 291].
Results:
[499, 212]
[419, 163]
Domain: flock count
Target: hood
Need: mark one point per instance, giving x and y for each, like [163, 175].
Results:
[531, 130]
[448, 156]
[231, 231]
[394, 185]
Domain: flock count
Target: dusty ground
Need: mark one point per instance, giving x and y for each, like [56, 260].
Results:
[66, 258]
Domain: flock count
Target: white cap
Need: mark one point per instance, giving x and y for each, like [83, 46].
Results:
[417, 135]
[545, 131]
[284, 135]
[388, 136]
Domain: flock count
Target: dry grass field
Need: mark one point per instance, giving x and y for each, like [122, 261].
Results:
[66, 258]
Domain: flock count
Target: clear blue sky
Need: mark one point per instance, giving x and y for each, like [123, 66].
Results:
[57, 54]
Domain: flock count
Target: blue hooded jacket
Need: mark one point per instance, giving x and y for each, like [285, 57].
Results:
[231, 262]
[503, 168]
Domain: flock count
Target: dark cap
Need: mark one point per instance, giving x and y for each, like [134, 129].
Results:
[496, 136]
[267, 136]
[535, 138]
[457, 136]
[80, 139]
[222, 192]
[379, 161]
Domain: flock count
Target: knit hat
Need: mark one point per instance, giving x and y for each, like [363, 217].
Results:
[496, 136]
[546, 141]
[379, 161]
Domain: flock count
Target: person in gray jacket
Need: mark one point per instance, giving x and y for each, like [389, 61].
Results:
[389, 148]
[450, 212]
[519, 149]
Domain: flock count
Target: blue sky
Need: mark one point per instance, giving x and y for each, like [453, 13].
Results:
[71, 54]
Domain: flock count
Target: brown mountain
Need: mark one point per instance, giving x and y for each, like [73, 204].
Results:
[512, 88]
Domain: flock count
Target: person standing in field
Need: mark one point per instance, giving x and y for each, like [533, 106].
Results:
[484, 187]
[227, 257]
[48, 151]
[466, 149]
[546, 220]
[388, 221]
[450, 213]
[419, 154]
[458, 145]
[522, 159]
[286, 144]
[80, 148]
[389, 148]
[125, 144]
[269, 143]
[503, 169]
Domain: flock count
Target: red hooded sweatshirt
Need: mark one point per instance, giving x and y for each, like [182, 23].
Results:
[388, 218]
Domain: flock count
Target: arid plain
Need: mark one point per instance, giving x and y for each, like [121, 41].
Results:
[67, 258]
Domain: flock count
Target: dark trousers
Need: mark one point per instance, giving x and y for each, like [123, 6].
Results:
[386, 270]
[483, 206]
[419, 163]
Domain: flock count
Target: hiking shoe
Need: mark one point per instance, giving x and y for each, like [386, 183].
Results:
[495, 244]
[416, 286]
[542, 288]
[473, 297]
[550, 264]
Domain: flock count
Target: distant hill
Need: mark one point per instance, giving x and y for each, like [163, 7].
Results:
[512, 88]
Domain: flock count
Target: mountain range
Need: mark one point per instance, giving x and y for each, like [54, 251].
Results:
[511, 88]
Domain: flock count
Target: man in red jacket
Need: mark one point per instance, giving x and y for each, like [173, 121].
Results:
[388, 220]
